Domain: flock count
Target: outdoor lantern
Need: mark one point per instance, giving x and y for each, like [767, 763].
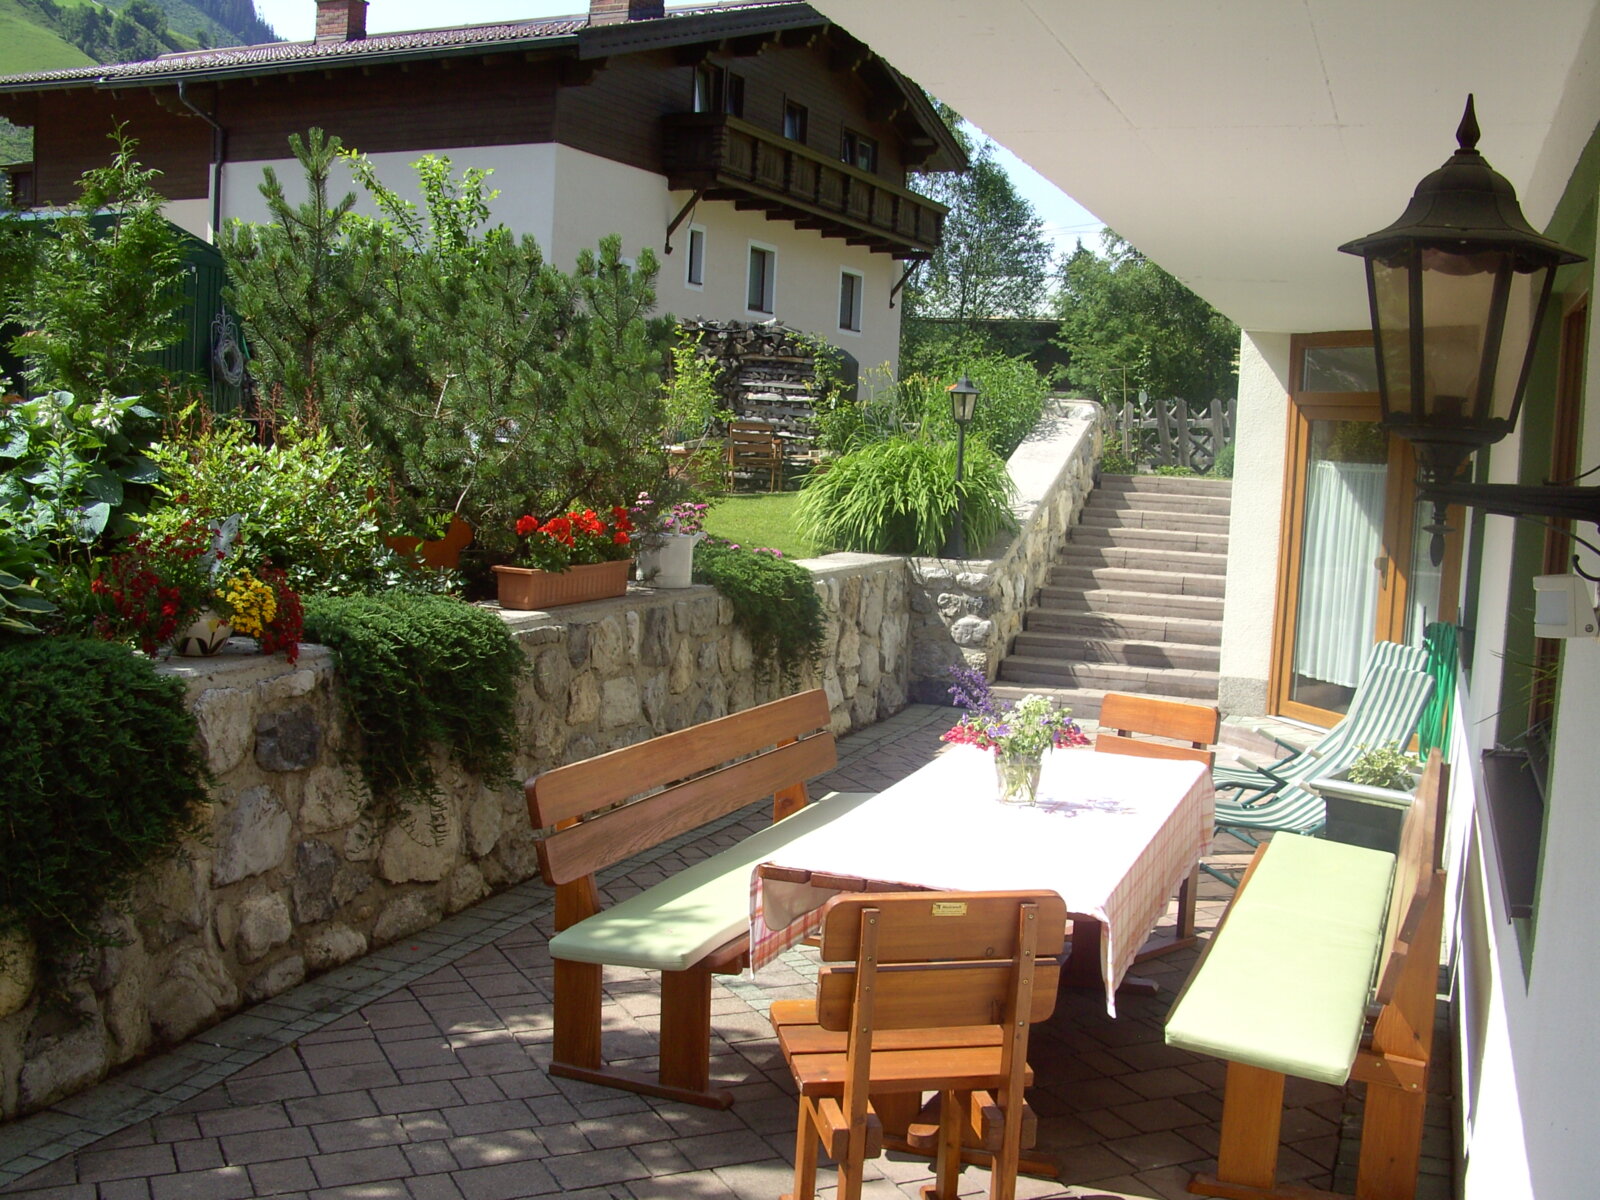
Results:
[963, 405]
[1457, 287]
[963, 400]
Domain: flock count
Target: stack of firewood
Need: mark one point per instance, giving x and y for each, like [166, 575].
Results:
[766, 372]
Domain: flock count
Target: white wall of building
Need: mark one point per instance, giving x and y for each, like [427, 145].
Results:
[1254, 530]
[568, 200]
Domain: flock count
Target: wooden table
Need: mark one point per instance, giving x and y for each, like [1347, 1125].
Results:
[1114, 836]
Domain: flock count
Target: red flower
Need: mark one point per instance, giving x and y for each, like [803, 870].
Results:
[526, 525]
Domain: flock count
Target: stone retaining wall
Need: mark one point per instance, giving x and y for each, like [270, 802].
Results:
[292, 879]
[967, 613]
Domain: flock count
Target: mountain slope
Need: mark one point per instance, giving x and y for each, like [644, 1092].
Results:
[26, 45]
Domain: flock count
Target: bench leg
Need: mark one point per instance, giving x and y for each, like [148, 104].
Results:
[577, 1015]
[1391, 1144]
[1252, 1118]
[686, 1029]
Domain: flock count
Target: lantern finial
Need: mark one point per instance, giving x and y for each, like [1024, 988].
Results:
[1467, 133]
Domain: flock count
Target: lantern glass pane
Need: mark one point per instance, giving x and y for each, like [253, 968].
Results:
[1518, 340]
[1458, 291]
[1391, 294]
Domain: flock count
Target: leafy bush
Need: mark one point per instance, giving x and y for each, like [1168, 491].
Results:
[70, 468]
[899, 497]
[103, 778]
[21, 602]
[1383, 766]
[1174, 472]
[1115, 462]
[421, 674]
[774, 601]
[305, 503]
[1222, 468]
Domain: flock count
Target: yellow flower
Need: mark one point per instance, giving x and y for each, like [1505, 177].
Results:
[251, 604]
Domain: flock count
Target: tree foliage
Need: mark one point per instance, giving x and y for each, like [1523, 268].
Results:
[490, 383]
[1119, 310]
[97, 289]
[994, 258]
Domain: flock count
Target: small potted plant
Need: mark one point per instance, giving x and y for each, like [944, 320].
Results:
[1367, 801]
[666, 540]
[569, 558]
[1018, 734]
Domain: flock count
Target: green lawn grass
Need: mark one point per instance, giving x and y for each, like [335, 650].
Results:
[760, 520]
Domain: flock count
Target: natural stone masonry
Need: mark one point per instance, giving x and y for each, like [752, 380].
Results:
[289, 878]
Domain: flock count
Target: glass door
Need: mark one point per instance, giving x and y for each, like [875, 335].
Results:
[1355, 568]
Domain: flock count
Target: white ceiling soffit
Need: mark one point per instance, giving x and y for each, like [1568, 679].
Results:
[1239, 142]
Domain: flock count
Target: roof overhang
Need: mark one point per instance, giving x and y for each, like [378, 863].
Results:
[1239, 144]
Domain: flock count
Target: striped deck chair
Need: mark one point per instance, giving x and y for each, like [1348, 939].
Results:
[1252, 784]
[1394, 700]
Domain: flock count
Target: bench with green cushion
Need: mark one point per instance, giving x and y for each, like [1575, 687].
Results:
[1323, 968]
[1286, 981]
[679, 921]
[695, 924]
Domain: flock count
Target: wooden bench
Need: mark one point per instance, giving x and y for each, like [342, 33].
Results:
[695, 923]
[1324, 968]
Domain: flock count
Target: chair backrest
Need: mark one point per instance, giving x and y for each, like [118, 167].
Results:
[1122, 716]
[1377, 683]
[939, 959]
[751, 440]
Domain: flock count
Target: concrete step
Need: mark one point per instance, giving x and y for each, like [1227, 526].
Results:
[1077, 556]
[1158, 655]
[1140, 604]
[1189, 485]
[1160, 502]
[1023, 670]
[1187, 631]
[1083, 701]
[1143, 518]
[1149, 539]
[1124, 579]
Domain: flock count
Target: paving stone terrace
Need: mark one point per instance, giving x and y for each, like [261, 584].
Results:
[416, 1073]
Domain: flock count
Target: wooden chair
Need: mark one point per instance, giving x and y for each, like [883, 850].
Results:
[753, 447]
[922, 991]
[1123, 716]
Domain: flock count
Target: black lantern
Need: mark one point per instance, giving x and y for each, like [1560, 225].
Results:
[963, 407]
[1458, 286]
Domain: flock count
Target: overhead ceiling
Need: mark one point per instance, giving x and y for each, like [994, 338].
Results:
[1239, 142]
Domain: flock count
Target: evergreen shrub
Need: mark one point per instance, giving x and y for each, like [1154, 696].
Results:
[102, 779]
[774, 601]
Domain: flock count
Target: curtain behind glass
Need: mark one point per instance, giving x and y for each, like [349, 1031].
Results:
[1338, 582]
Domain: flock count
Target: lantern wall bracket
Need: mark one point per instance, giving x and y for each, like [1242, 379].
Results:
[1545, 504]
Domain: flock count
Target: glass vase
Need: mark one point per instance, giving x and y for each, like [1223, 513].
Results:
[1018, 775]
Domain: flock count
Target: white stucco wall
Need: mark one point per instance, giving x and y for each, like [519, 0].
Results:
[569, 200]
[1525, 1037]
[1254, 532]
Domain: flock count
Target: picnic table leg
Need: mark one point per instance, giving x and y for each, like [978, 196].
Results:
[1252, 1118]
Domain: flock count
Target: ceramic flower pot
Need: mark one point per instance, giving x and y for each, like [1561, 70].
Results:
[529, 588]
[669, 563]
[207, 634]
[1018, 775]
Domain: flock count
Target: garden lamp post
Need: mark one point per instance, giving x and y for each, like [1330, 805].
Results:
[1457, 287]
[963, 404]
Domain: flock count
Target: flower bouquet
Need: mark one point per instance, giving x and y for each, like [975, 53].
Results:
[592, 551]
[185, 590]
[667, 538]
[1018, 734]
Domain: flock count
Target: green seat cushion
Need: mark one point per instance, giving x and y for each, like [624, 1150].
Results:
[671, 926]
[1285, 985]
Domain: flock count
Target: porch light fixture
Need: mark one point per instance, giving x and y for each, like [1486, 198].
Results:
[963, 407]
[1458, 286]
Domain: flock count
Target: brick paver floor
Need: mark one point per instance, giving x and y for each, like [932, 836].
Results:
[417, 1074]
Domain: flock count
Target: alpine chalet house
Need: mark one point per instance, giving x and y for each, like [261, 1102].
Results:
[761, 146]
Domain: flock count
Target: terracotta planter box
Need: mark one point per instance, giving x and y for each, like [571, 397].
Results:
[528, 588]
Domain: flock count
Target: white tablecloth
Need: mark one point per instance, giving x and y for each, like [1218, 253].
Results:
[1113, 835]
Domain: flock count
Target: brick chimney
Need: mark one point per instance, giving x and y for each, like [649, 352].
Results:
[341, 20]
[612, 12]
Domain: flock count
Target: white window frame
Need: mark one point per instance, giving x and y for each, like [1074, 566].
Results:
[691, 260]
[858, 304]
[769, 295]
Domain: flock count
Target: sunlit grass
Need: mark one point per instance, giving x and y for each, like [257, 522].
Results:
[760, 519]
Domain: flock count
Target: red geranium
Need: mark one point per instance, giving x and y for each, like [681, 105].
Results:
[574, 539]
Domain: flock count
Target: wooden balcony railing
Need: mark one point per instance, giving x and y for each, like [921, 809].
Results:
[731, 159]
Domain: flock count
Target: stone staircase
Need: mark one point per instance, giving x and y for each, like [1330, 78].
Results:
[1134, 603]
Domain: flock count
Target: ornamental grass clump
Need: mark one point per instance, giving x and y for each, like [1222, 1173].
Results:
[103, 778]
[421, 675]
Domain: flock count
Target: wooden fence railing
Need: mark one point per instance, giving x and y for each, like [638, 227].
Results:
[1169, 433]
